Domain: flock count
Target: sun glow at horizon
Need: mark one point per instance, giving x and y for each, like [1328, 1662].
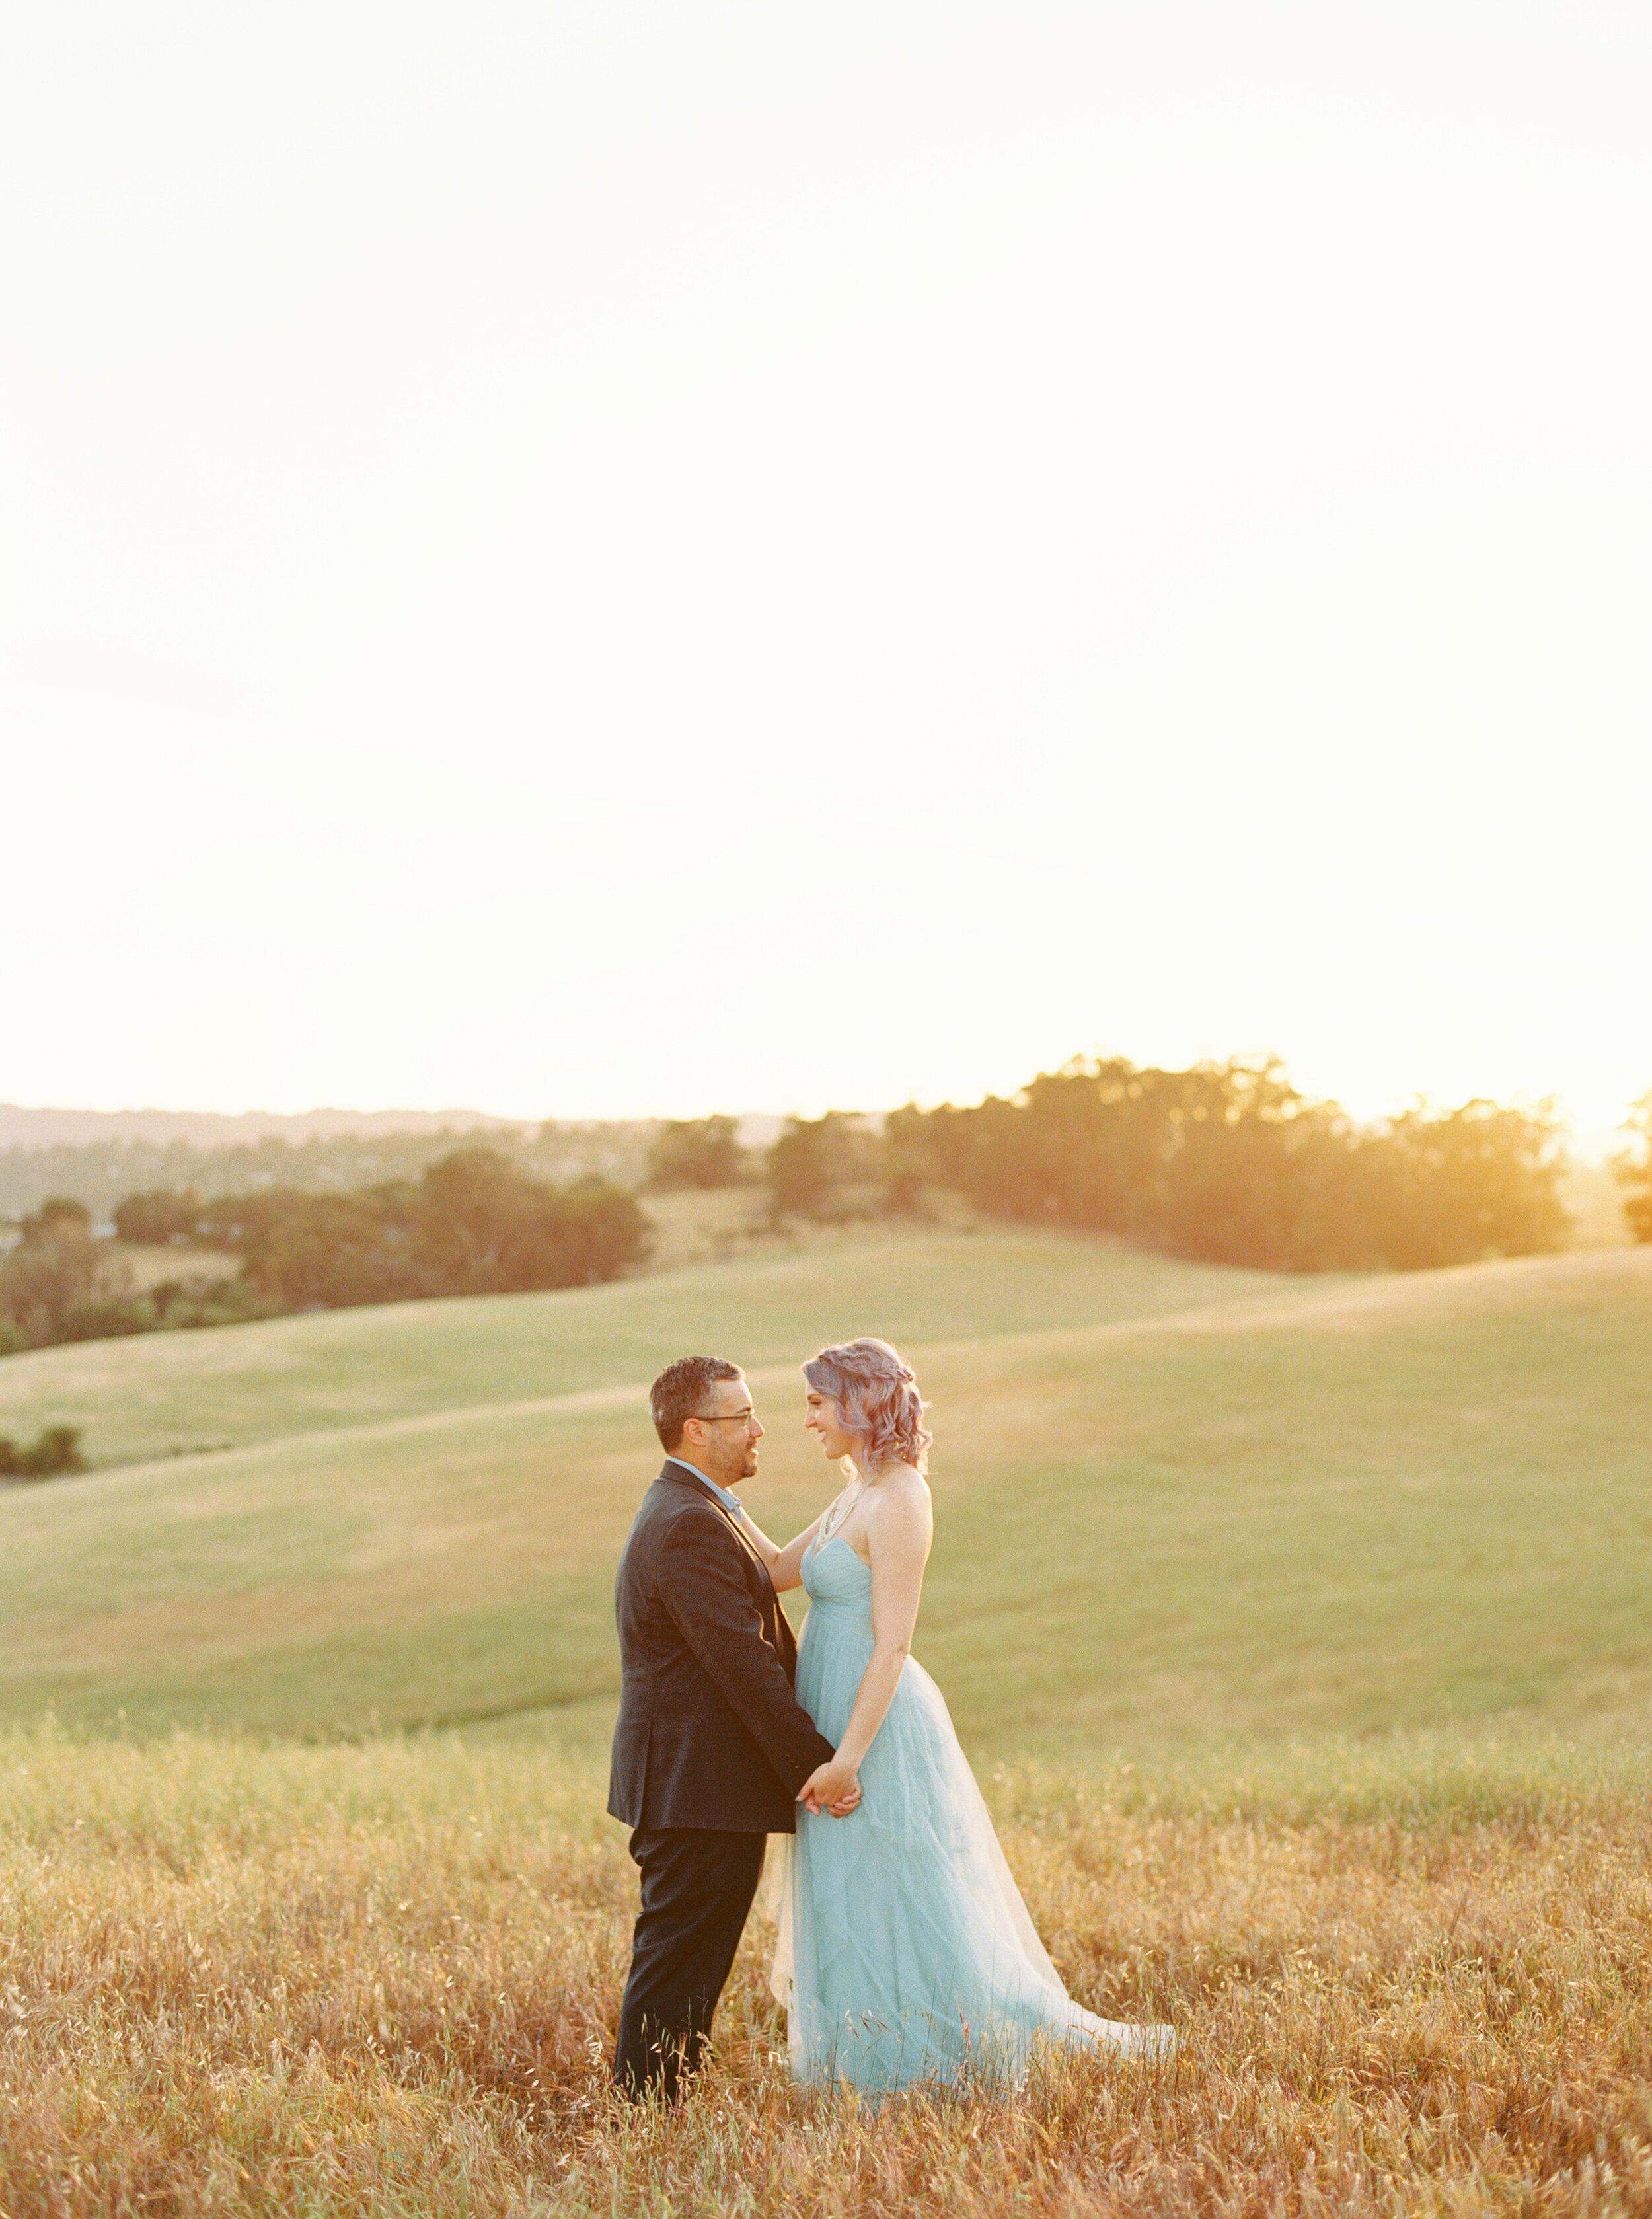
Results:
[655, 566]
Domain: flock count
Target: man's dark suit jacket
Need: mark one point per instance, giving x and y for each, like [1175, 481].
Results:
[710, 1733]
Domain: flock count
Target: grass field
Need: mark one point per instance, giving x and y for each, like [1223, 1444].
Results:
[151, 1396]
[1173, 1504]
[382, 1980]
[1300, 1630]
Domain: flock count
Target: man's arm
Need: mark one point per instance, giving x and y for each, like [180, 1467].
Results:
[703, 1587]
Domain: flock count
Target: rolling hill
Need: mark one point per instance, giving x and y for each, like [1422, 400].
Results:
[159, 1392]
[1173, 1502]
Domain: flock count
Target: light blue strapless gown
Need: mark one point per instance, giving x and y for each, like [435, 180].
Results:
[905, 1954]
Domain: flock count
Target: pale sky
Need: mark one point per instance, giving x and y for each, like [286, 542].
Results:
[625, 560]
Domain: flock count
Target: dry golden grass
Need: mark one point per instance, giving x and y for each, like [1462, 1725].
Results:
[382, 1979]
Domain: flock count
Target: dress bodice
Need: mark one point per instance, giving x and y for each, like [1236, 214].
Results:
[839, 1585]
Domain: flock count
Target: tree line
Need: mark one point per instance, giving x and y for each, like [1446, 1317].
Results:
[1226, 1163]
[1229, 1163]
[472, 1223]
[100, 1172]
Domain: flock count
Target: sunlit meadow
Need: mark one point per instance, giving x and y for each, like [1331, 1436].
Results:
[383, 1979]
[1298, 1629]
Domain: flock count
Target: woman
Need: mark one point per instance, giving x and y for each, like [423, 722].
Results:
[905, 1955]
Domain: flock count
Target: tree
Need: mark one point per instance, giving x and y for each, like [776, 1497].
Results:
[60, 1217]
[42, 1282]
[235, 1221]
[60, 1284]
[697, 1152]
[55, 1449]
[1635, 1171]
[823, 1167]
[603, 1232]
[1260, 1177]
[474, 1223]
[168, 1214]
[908, 1159]
[482, 1227]
[330, 1251]
[1460, 1184]
[1228, 1162]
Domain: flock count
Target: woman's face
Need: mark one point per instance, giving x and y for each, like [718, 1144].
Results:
[820, 1418]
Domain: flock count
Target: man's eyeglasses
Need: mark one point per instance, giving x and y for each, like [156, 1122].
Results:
[724, 1417]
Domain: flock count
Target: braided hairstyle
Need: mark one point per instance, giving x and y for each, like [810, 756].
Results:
[878, 1400]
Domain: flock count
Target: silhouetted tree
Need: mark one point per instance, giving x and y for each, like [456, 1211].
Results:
[1459, 1184]
[1634, 1171]
[1255, 1175]
[1230, 1163]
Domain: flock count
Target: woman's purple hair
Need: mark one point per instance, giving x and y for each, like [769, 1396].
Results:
[878, 1400]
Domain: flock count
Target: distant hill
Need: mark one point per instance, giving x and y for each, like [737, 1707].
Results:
[211, 1129]
[135, 1152]
[100, 1156]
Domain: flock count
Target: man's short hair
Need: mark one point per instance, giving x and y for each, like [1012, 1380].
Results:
[682, 1391]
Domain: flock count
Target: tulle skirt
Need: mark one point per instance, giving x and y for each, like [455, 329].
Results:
[905, 1952]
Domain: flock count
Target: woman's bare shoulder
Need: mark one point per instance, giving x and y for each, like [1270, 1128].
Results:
[903, 1495]
[908, 1478]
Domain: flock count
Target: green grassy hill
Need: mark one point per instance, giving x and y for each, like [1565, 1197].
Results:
[1173, 1502]
[162, 1393]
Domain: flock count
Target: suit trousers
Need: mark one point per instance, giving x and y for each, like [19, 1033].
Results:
[697, 1888]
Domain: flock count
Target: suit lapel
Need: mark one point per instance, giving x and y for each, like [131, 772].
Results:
[778, 1626]
[740, 1535]
[682, 1474]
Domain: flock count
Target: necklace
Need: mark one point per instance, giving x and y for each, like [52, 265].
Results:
[839, 1511]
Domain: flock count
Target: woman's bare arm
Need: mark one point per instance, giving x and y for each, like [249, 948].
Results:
[899, 1535]
[783, 1563]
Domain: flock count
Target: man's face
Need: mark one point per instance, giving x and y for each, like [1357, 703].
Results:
[724, 1439]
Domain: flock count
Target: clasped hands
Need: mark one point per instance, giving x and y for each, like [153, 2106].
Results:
[833, 1788]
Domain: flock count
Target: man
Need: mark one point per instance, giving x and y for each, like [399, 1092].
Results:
[711, 1745]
